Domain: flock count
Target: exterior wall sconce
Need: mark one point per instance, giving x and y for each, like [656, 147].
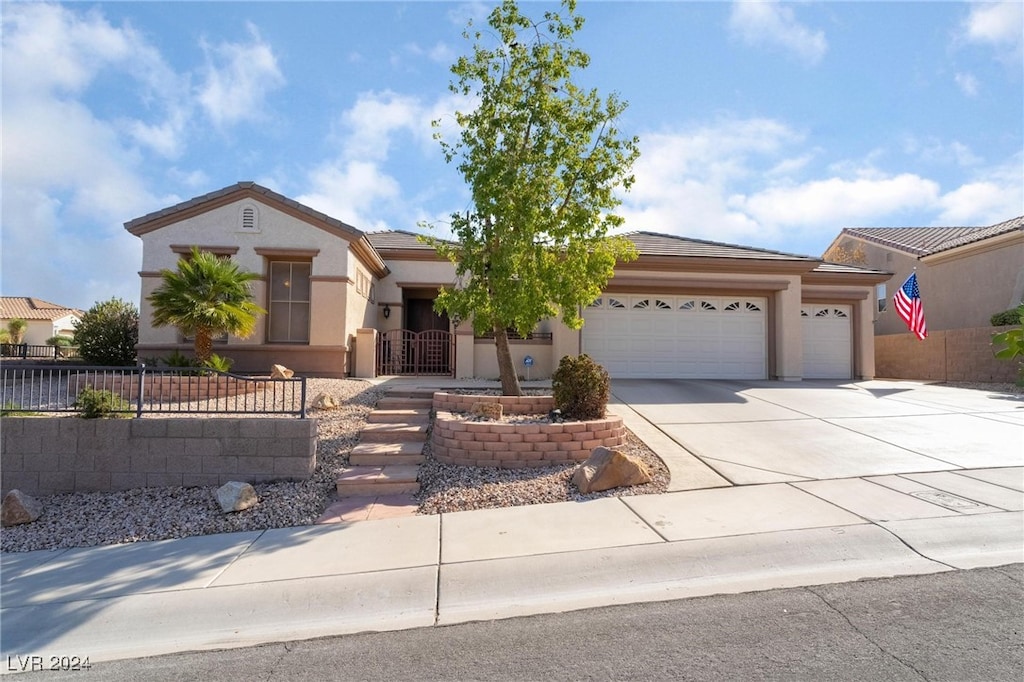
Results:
[387, 311]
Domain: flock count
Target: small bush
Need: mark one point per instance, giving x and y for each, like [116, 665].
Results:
[581, 388]
[62, 341]
[95, 404]
[107, 334]
[1007, 318]
[179, 359]
[218, 363]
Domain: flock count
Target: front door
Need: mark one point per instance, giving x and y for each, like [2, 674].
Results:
[420, 316]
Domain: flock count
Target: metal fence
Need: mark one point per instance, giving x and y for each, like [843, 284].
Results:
[25, 351]
[143, 390]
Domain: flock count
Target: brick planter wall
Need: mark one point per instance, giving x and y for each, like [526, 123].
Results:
[510, 404]
[47, 455]
[494, 444]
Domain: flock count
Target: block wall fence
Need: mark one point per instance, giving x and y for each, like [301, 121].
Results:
[49, 455]
[948, 355]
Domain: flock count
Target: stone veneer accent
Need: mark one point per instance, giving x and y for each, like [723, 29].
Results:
[494, 444]
[48, 455]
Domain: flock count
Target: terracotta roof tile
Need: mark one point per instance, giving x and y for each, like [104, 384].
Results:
[28, 308]
[396, 239]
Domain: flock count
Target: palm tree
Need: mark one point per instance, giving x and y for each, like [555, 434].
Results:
[205, 297]
[16, 329]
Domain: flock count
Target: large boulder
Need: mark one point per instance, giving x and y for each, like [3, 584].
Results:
[606, 469]
[486, 410]
[18, 508]
[236, 496]
[325, 401]
[281, 372]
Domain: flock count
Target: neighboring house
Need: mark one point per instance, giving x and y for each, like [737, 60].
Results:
[45, 319]
[338, 300]
[965, 275]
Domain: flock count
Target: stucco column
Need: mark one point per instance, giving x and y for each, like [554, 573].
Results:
[366, 353]
[564, 341]
[464, 350]
[864, 339]
[789, 349]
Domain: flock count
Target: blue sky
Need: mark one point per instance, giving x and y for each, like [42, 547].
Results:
[767, 124]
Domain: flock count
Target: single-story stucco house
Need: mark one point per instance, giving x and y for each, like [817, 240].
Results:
[343, 302]
[43, 319]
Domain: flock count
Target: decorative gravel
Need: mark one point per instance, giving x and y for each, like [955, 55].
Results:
[89, 519]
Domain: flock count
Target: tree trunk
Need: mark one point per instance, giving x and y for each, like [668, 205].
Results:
[509, 378]
[203, 345]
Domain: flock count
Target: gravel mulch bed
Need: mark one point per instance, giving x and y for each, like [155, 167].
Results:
[89, 519]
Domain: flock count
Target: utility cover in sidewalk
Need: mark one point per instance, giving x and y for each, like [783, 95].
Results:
[945, 499]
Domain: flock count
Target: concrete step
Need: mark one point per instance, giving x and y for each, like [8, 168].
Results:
[369, 508]
[378, 454]
[390, 479]
[412, 393]
[400, 403]
[394, 433]
[418, 416]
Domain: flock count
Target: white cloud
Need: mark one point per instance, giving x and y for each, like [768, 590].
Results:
[238, 78]
[994, 195]
[999, 26]
[770, 24]
[1000, 23]
[351, 192]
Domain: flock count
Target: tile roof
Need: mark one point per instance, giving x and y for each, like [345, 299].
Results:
[396, 239]
[238, 187]
[33, 309]
[924, 241]
[657, 244]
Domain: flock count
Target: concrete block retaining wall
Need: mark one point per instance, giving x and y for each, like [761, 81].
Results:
[48, 455]
[492, 444]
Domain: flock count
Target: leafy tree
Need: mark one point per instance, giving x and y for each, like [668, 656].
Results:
[16, 329]
[205, 297]
[543, 159]
[107, 334]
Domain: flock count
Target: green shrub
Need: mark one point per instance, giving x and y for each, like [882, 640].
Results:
[581, 388]
[103, 404]
[107, 334]
[1007, 318]
[62, 341]
[218, 363]
[179, 359]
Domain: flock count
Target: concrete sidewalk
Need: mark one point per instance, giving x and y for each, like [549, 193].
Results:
[232, 590]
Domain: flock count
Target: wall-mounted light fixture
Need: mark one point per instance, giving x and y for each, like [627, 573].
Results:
[387, 311]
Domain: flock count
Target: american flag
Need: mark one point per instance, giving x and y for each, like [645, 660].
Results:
[907, 302]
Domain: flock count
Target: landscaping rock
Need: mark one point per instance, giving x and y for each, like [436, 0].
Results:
[281, 372]
[325, 402]
[486, 410]
[236, 496]
[18, 508]
[606, 469]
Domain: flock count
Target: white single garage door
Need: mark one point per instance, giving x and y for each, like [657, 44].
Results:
[828, 341]
[637, 336]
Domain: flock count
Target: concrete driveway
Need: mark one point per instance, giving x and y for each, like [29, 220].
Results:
[716, 433]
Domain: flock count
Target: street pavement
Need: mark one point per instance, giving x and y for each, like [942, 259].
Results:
[767, 505]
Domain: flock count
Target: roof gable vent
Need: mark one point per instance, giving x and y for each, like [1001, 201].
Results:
[249, 219]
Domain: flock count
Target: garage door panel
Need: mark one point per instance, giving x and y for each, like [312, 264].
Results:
[828, 341]
[678, 337]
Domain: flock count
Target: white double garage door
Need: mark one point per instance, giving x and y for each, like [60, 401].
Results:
[646, 336]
